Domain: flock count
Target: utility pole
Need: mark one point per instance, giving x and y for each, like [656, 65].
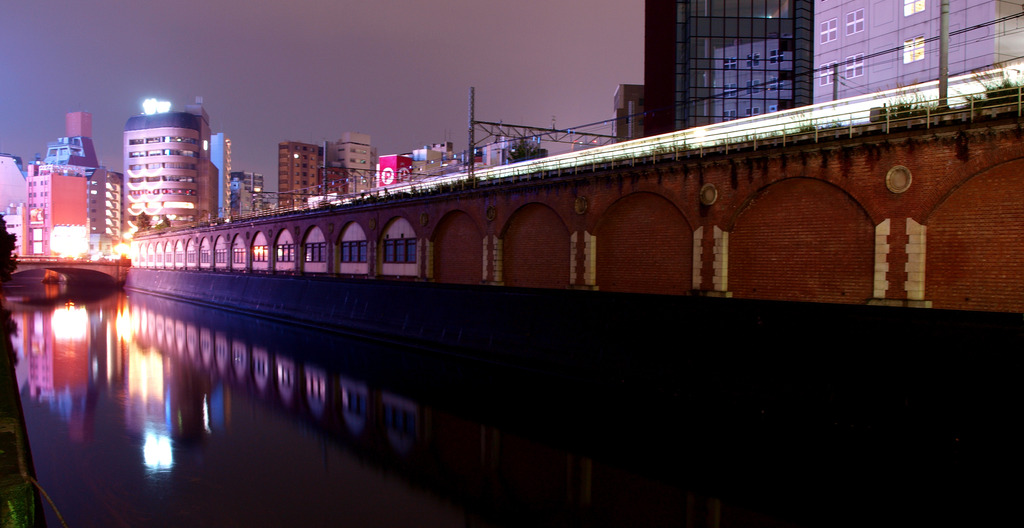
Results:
[470, 159]
[944, 54]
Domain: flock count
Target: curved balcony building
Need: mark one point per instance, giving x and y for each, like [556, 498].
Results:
[168, 172]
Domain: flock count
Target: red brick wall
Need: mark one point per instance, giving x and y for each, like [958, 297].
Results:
[802, 240]
[976, 244]
[536, 249]
[644, 245]
[458, 250]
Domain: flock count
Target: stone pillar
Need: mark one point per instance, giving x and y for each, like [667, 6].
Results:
[720, 282]
[882, 232]
[916, 253]
[698, 260]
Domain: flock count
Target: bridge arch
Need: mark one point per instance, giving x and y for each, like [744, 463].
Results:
[239, 252]
[179, 254]
[802, 239]
[314, 251]
[220, 252]
[284, 251]
[973, 242]
[645, 245]
[260, 251]
[352, 251]
[399, 254]
[205, 253]
[535, 248]
[458, 253]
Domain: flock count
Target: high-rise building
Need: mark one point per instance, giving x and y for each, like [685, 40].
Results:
[706, 62]
[355, 159]
[863, 47]
[628, 105]
[247, 194]
[298, 172]
[220, 156]
[62, 207]
[167, 164]
[105, 190]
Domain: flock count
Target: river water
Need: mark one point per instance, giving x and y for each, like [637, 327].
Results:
[144, 411]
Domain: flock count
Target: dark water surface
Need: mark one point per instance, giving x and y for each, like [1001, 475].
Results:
[148, 412]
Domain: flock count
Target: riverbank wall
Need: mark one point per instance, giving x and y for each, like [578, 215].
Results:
[652, 340]
[20, 506]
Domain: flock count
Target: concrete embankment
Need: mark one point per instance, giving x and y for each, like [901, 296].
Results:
[20, 506]
[650, 339]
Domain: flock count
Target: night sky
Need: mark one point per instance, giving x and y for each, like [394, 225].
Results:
[308, 70]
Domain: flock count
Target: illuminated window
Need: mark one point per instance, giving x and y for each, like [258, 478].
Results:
[855, 66]
[259, 253]
[829, 30]
[913, 50]
[825, 74]
[912, 6]
[855, 22]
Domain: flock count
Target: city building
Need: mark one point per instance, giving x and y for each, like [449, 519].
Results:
[247, 195]
[628, 106]
[353, 162]
[12, 180]
[298, 172]
[220, 156]
[706, 62]
[105, 189]
[168, 166]
[73, 204]
[863, 47]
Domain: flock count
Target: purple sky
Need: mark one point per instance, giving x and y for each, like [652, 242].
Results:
[308, 70]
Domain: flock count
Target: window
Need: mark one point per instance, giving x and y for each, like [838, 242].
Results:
[238, 255]
[855, 22]
[775, 56]
[753, 111]
[730, 114]
[912, 6]
[730, 63]
[825, 74]
[220, 255]
[316, 252]
[259, 253]
[913, 50]
[730, 89]
[773, 84]
[855, 66]
[753, 87]
[400, 250]
[773, 108]
[286, 252]
[753, 59]
[829, 31]
[354, 251]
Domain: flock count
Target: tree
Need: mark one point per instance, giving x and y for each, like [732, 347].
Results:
[523, 150]
[143, 221]
[164, 223]
[8, 260]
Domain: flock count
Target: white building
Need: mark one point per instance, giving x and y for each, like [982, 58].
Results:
[883, 45]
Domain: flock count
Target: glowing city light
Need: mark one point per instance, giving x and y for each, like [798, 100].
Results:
[153, 106]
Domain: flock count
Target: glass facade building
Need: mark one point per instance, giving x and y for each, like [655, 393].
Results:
[708, 61]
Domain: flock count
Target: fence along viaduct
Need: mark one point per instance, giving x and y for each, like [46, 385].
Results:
[916, 216]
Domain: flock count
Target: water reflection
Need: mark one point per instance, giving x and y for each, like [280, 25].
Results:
[187, 413]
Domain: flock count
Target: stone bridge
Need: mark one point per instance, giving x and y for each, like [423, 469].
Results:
[75, 270]
[929, 213]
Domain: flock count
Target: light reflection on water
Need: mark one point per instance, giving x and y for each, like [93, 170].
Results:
[147, 412]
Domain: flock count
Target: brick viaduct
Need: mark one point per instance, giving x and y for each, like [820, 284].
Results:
[928, 217]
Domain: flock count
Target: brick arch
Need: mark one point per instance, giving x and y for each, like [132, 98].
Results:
[535, 248]
[644, 245]
[458, 249]
[802, 239]
[351, 255]
[973, 256]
